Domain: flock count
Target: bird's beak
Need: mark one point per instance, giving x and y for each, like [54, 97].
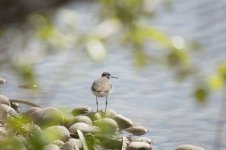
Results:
[114, 77]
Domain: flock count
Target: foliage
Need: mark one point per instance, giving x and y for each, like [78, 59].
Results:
[125, 22]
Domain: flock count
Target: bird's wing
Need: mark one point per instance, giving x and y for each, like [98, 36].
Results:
[101, 85]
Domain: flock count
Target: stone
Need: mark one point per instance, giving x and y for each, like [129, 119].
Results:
[138, 146]
[3, 131]
[109, 142]
[85, 128]
[141, 139]
[48, 116]
[32, 128]
[80, 110]
[122, 121]
[189, 147]
[76, 141]
[6, 111]
[57, 133]
[70, 145]
[32, 110]
[84, 119]
[108, 113]
[4, 100]
[93, 115]
[15, 106]
[58, 143]
[51, 147]
[136, 130]
[107, 125]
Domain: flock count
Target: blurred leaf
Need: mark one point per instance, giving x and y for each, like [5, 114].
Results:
[26, 72]
[38, 141]
[194, 46]
[46, 32]
[168, 4]
[90, 140]
[178, 42]
[141, 58]
[201, 94]
[183, 72]
[11, 143]
[222, 71]
[216, 82]
[135, 35]
[178, 58]
[96, 49]
[158, 36]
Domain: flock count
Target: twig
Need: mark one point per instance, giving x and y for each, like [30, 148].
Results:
[24, 102]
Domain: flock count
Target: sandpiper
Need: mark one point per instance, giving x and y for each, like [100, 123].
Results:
[102, 87]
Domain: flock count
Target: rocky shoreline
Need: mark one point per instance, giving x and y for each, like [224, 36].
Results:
[82, 129]
[50, 128]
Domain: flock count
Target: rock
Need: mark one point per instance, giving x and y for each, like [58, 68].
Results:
[80, 110]
[15, 106]
[51, 147]
[3, 131]
[93, 115]
[84, 119]
[109, 142]
[86, 128]
[57, 133]
[37, 116]
[70, 145]
[32, 128]
[189, 147]
[58, 143]
[4, 100]
[108, 114]
[48, 116]
[141, 139]
[138, 146]
[136, 130]
[32, 110]
[77, 142]
[6, 111]
[107, 125]
[122, 121]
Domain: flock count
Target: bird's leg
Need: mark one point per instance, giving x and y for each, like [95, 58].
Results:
[97, 103]
[106, 103]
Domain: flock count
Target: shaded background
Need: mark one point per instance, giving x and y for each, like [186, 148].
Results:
[151, 95]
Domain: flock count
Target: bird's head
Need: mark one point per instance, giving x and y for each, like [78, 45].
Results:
[108, 75]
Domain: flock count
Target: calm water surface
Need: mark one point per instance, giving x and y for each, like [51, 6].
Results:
[151, 97]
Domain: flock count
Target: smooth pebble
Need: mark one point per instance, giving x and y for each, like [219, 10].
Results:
[57, 133]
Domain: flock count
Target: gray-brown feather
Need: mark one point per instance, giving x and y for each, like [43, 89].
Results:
[101, 87]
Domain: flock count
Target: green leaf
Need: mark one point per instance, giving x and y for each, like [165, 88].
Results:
[222, 71]
[201, 94]
[216, 82]
[141, 58]
[159, 37]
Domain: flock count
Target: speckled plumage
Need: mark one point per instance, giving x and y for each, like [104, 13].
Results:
[102, 87]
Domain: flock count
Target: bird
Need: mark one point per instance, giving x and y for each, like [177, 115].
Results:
[102, 87]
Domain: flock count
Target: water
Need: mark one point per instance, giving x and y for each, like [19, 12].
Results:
[151, 97]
